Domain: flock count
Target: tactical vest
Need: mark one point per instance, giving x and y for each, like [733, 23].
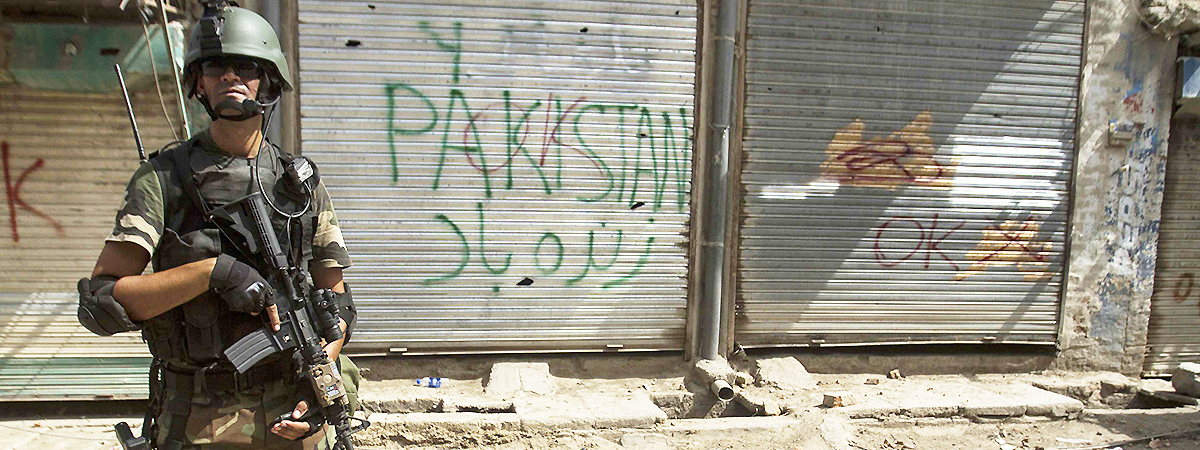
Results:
[194, 335]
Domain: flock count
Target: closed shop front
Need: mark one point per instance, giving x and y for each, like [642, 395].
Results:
[509, 176]
[66, 159]
[67, 151]
[906, 171]
[1174, 335]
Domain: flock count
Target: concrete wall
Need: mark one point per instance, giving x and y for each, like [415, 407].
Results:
[1128, 78]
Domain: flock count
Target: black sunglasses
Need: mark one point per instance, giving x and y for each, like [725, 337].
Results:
[246, 69]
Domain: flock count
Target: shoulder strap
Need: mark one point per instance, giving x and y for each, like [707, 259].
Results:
[182, 164]
[166, 165]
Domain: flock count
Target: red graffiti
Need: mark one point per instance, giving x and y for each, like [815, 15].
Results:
[472, 128]
[905, 157]
[1014, 243]
[552, 136]
[1182, 290]
[868, 156]
[549, 135]
[1019, 240]
[13, 192]
[1183, 287]
[928, 241]
[1134, 102]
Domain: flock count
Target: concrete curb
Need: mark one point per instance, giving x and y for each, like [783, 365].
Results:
[411, 416]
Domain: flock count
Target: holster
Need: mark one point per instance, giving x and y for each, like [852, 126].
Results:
[178, 407]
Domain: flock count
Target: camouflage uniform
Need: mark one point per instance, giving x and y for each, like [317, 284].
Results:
[141, 217]
[221, 419]
[228, 420]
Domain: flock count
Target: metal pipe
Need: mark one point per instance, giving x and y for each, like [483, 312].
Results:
[722, 390]
[713, 236]
[272, 11]
[166, 29]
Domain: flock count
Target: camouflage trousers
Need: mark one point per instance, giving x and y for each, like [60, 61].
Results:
[228, 421]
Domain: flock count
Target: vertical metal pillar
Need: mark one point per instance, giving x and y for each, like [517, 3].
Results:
[712, 255]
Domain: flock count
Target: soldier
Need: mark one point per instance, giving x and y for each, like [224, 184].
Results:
[203, 295]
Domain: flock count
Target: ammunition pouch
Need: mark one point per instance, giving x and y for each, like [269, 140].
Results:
[164, 336]
[201, 328]
[191, 331]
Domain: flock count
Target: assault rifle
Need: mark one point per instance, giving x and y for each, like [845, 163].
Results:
[306, 316]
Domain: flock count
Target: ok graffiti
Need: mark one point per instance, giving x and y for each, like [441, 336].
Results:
[12, 191]
[927, 241]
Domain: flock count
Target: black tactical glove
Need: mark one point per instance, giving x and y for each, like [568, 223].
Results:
[98, 311]
[240, 285]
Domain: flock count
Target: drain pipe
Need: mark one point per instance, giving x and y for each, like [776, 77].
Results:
[712, 252]
[272, 11]
[715, 375]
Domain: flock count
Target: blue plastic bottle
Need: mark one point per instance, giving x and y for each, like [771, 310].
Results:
[431, 382]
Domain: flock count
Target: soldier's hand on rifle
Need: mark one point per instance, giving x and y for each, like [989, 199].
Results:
[294, 429]
[273, 316]
[242, 287]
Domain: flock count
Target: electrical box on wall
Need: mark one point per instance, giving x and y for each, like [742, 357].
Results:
[1187, 87]
[80, 57]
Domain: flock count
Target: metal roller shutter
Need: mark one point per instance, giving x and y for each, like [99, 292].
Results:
[509, 176]
[906, 170]
[1174, 334]
[66, 159]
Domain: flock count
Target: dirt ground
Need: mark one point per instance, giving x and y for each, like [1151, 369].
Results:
[1127, 432]
[1101, 426]
[1088, 432]
[87, 425]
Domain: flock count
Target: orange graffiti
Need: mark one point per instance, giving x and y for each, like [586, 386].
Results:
[1012, 242]
[903, 158]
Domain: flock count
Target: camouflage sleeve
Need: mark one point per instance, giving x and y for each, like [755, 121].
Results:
[329, 250]
[140, 216]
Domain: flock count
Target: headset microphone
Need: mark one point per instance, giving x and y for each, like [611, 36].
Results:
[254, 105]
[245, 109]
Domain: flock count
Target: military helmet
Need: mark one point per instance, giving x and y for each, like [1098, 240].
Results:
[236, 31]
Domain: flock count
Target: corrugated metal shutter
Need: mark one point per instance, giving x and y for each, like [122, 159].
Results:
[1174, 335]
[906, 170]
[66, 159]
[509, 176]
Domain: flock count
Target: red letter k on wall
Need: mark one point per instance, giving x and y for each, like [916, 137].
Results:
[13, 192]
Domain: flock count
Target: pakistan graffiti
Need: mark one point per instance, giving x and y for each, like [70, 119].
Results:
[658, 156]
[1011, 243]
[903, 158]
[654, 145]
[12, 191]
[541, 135]
[929, 235]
